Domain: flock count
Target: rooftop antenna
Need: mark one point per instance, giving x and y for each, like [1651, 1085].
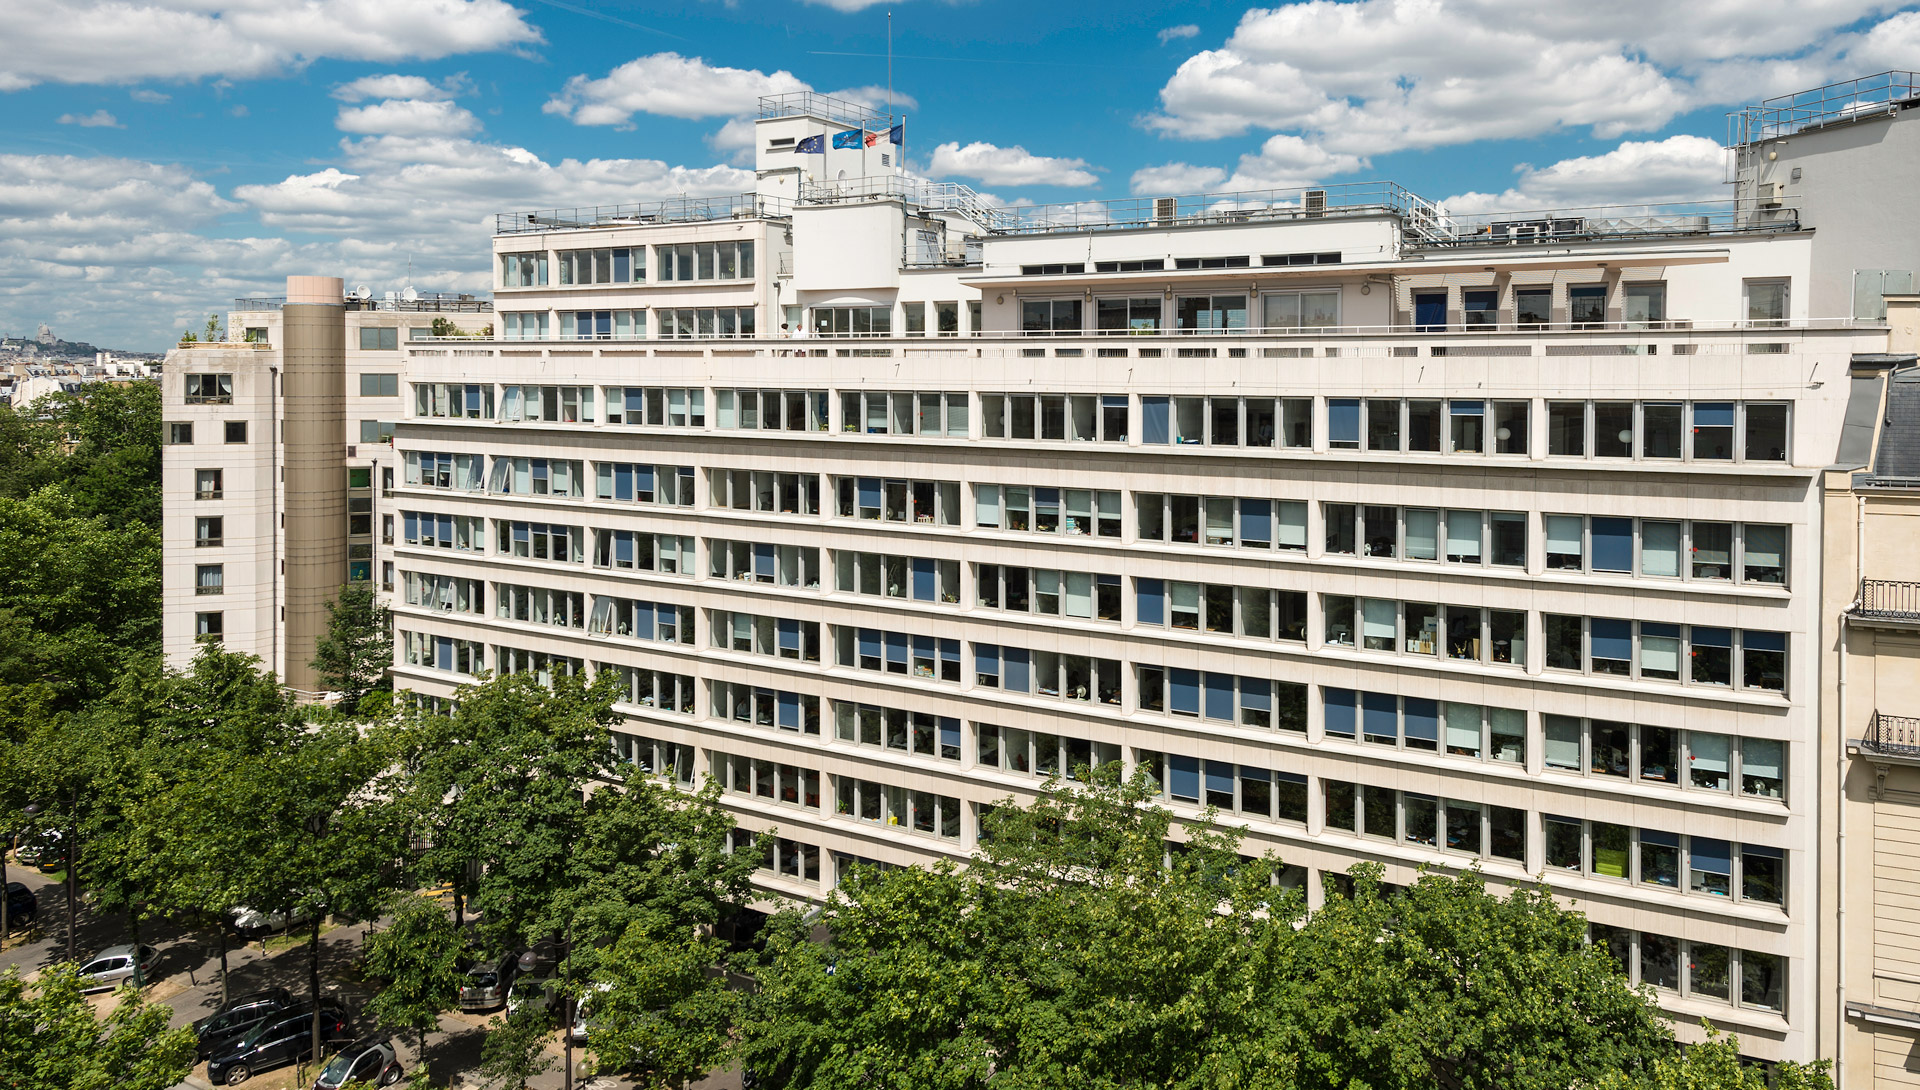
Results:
[889, 68]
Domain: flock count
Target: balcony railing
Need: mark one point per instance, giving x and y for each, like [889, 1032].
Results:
[1889, 600]
[1894, 735]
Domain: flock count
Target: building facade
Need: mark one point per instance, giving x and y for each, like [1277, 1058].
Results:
[1390, 535]
[272, 446]
[1871, 719]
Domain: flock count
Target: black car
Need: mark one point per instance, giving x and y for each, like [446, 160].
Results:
[282, 1039]
[221, 1029]
[22, 905]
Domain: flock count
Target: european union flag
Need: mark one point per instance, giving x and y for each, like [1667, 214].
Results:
[811, 145]
[897, 134]
[848, 139]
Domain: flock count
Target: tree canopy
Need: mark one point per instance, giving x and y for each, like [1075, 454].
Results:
[1094, 944]
[50, 1038]
[353, 657]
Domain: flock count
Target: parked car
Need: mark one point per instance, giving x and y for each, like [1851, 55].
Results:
[254, 923]
[115, 964]
[487, 981]
[22, 905]
[277, 1041]
[583, 1013]
[219, 1030]
[532, 991]
[41, 849]
[370, 1061]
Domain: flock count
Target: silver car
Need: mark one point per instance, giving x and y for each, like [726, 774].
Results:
[116, 963]
[367, 1062]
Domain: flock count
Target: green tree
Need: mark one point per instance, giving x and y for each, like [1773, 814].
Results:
[80, 600]
[515, 1049]
[354, 655]
[665, 1016]
[1714, 1064]
[417, 956]
[200, 736]
[50, 1038]
[1094, 943]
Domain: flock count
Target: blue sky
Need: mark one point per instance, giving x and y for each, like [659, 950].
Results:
[159, 157]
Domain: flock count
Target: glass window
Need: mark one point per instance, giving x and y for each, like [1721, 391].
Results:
[1468, 429]
[1343, 423]
[1767, 302]
[1567, 428]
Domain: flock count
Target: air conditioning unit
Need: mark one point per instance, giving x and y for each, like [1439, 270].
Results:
[1165, 209]
[1316, 202]
[1769, 194]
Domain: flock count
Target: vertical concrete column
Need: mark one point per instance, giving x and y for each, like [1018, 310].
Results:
[313, 436]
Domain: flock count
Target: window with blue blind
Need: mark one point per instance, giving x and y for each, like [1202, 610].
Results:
[789, 636]
[1219, 778]
[869, 489]
[950, 736]
[443, 652]
[1183, 691]
[1420, 723]
[1018, 674]
[1256, 524]
[1183, 778]
[789, 713]
[1219, 696]
[869, 648]
[1613, 544]
[924, 588]
[1343, 423]
[896, 643]
[410, 523]
[1381, 717]
[1340, 711]
[1611, 643]
[1156, 421]
[1152, 607]
[763, 562]
[986, 664]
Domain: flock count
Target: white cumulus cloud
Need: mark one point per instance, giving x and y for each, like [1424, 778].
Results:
[1371, 76]
[1008, 166]
[150, 97]
[1283, 162]
[394, 85]
[407, 117]
[98, 119]
[669, 85]
[1679, 168]
[130, 41]
[1176, 33]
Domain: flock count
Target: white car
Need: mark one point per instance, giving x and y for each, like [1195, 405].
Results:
[115, 964]
[253, 922]
[581, 1011]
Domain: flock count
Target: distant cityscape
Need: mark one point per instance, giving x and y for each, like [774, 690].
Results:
[33, 367]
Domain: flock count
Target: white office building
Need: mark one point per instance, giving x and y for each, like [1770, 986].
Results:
[1394, 535]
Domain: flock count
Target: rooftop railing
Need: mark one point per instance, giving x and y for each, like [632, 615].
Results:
[678, 210]
[1612, 222]
[1847, 100]
[1203, 209]
[815, 104]
[1889, 600]
[1895, 735]
[424, 302]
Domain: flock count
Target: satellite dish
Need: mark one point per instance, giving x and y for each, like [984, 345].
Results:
[363, 292]
[409, 295]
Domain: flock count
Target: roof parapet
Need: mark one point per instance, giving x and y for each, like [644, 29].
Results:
[677, 210]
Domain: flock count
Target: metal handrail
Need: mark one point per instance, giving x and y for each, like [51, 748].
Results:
[1890, 598]
[1894, 734]
[1847, 100]
[678, 210]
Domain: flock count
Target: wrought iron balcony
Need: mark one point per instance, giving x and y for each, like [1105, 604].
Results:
[1886, 599]
[1892, 736]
